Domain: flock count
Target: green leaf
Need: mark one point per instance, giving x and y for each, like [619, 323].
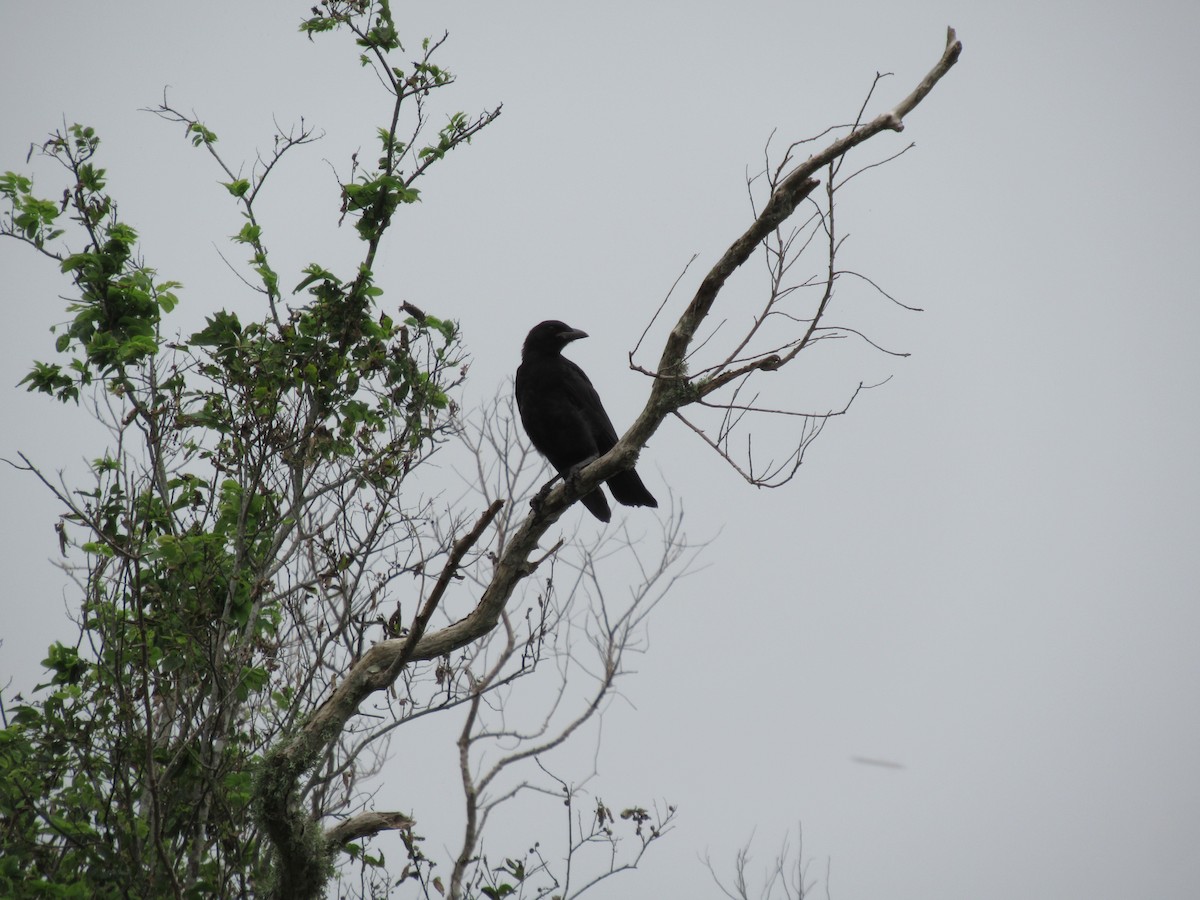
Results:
[200, 134]
[318, 24]
[13, 185]
[316, 273]
[223, 330]
[249, 234]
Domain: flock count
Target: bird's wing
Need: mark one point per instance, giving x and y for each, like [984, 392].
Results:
[579, 387]
[553, 396]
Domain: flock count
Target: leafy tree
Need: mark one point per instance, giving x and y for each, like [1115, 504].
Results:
[242, 657]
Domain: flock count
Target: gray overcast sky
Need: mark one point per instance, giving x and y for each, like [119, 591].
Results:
[987, 572]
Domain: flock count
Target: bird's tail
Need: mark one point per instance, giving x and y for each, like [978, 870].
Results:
[597, 505]
[628, 490]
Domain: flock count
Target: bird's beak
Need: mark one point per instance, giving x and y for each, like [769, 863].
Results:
[574, 334]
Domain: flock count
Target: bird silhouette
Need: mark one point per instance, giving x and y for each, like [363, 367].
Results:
[564, 417]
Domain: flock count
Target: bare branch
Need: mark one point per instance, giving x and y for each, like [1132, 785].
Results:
[365, 825]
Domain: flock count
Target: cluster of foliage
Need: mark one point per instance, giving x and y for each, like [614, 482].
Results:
[237, 550]
[231, 536]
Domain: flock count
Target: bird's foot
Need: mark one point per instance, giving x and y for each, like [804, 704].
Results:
[571, 476]
[538, 499]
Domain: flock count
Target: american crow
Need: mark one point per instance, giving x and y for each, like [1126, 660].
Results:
[564, 417]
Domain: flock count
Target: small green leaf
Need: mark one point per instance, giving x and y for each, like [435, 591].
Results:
[249, 234]
[200, 134]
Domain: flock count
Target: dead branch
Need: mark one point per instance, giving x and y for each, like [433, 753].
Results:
[365, 825]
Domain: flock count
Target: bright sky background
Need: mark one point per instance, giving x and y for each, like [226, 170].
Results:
[988, 572]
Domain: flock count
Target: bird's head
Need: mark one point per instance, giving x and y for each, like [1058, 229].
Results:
[550, 337]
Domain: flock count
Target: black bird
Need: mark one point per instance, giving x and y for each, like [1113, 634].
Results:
[564, 417]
